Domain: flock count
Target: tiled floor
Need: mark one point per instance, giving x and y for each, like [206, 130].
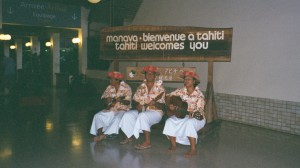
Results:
[57, 136]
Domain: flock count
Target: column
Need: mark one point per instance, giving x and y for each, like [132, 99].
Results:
[82, 46]
[19, 52]
[6, 48]
[35, 45]
[55, 51]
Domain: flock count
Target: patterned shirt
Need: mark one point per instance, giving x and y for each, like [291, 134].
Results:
[143, 96]
[124, 90]
[195, 100]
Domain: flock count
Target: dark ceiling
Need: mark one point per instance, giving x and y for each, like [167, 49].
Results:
[106, 11]
[110, 12]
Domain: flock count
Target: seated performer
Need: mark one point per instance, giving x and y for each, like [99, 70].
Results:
[117, 97]
[182, 128]
[149, 100]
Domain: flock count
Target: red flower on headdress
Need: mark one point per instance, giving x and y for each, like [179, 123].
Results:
[190, 74]
[116, 75]
[150, 68]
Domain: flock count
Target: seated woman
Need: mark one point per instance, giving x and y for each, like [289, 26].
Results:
[180, 127]
[117, 98]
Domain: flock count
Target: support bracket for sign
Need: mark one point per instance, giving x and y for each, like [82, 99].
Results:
[210, 104]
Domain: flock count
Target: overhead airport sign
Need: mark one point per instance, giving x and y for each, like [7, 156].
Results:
[166, 43]
[34, 13]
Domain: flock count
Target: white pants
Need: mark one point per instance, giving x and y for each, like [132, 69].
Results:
[108, 120]
[183, 128]
[133, 123]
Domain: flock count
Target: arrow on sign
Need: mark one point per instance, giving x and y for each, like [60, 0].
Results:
[74, 17]
[10, 11]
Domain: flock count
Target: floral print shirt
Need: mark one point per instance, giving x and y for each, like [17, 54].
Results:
[124, 90]
[144, 96]
[195, 100]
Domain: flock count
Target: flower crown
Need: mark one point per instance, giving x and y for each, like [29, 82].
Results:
[116, 75]
[190, 74]
[150, 68]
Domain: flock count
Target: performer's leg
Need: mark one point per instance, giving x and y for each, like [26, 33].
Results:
[100, 136]
[173, 143]
[193, 150]
[147, 141]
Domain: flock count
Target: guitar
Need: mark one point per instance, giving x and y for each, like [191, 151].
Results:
[177, 107]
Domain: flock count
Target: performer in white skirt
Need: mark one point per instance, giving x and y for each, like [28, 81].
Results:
[149, 98]
[117, 97]
[184, 130]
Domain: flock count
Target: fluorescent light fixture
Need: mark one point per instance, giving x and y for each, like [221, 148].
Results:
[5, 37]
[28, 44]
[12, 47]
[75, 40]
[94, 1]
[48, 44]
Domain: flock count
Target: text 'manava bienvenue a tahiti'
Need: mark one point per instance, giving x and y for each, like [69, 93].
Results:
[172, 41]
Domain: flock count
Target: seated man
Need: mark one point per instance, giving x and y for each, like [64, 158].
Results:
[150, 101]
[183, 129]
[117, 98]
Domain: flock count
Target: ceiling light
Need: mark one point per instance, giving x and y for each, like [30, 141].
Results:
[12, 47]
[5, 37]
[76, 40]
[28, 44]
[48, 44]
[94, 1]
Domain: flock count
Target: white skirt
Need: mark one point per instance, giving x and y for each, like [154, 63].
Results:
[128, 121]
[108, 120]
[145, 120]
[183, 128]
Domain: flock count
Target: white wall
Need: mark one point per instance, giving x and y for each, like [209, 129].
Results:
[265, 50]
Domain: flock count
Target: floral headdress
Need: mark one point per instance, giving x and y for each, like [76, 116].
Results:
[150, 68]
[116, 75]
[190, 74]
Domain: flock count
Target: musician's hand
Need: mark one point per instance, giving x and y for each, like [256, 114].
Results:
[119, 99]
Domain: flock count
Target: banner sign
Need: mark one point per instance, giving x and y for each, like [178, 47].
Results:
[34, 13]
[166, 74]
[165, 43]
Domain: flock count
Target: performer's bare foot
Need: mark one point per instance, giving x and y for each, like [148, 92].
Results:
[172, 148]
[99, 138]
[190, 153]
